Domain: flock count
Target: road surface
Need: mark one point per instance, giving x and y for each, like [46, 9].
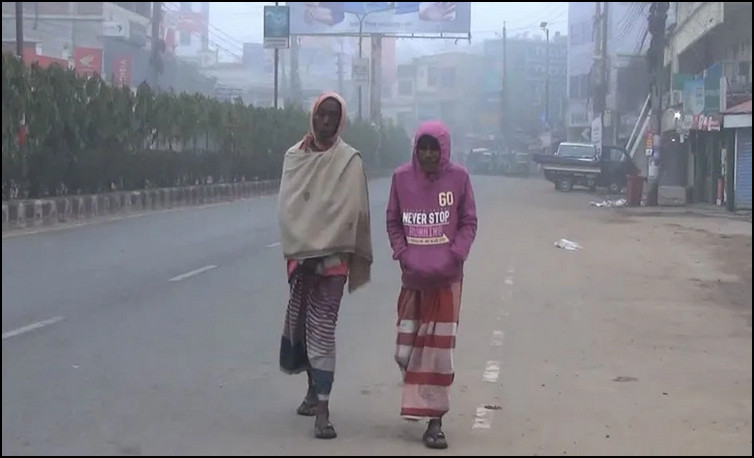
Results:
[159, 335]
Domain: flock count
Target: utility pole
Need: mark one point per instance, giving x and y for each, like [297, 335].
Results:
[375, 80]
[547, 74]
[504, 92]
[285, 90]
[295, 84]
[156, 59]
[658, 15]
[361, 53]
[20, 30]
[605, 75]
[340, 71]
[361, 19]
[277, 64]
[598, 79]
[22, 122]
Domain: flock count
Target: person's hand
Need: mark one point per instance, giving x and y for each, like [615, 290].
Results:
[437, 11]
[449, 266]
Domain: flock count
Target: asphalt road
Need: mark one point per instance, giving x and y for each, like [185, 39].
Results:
[159, 335]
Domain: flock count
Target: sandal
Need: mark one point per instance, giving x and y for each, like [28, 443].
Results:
[307, 409]
[325, 432]
[434, 438]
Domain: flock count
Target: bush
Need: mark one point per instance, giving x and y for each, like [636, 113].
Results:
[85, 136]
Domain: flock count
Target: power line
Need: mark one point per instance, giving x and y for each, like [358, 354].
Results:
[219, 41]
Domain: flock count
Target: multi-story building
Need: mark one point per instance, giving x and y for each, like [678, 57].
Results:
[627, 76]
[707, 123]
[527, 83]
[77, 31]
[445, 89]
[112, 39]
[187, 35]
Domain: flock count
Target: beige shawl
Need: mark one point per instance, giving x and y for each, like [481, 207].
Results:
[323, 208]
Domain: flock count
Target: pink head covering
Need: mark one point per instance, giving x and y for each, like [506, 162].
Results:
[439, 131]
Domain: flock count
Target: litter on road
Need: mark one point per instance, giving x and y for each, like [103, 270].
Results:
[567, 245]
[609, 203]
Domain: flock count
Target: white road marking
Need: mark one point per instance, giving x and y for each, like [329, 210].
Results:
[32, 327]
[497, 338]
[491, 372]
[509, 280]
[273, 245]
[483, 418]
[511, 270]
[192, 273]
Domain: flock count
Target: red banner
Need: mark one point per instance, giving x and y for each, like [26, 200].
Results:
[88, 61]
[122, 70]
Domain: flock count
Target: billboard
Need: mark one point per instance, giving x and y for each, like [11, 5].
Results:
[398, 18]
[276, 26]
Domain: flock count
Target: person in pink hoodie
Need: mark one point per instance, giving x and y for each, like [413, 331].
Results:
[431, 223]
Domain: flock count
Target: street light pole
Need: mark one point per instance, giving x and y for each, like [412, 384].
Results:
[20, 29]
[362, 18]
[361, 37]
[504, 93]
[547, 74]
[277, 64]
[156, 58]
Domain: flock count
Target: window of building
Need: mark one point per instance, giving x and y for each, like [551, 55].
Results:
[405, 87]
[579, 86]
[405, 71]
[448, 78]
[432, 79]
[581, 32]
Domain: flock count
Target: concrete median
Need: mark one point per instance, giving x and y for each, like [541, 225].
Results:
[23, 214]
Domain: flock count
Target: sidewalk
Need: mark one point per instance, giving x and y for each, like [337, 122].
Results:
[701, 210]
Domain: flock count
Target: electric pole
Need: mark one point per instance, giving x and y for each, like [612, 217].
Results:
[340, 72]
[375, 80]
[22, 121]
[295, 84]
[20, 30]
[277, 65]
[658, 15]
[605, 75]
[504, 92]
[544, 26]
[156, 59]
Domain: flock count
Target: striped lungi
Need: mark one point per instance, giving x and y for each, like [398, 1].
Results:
[427, 325]
[308, 341]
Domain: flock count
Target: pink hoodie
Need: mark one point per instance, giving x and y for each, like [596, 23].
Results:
[431, 218]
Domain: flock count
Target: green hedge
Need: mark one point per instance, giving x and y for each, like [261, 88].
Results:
[85, 136]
